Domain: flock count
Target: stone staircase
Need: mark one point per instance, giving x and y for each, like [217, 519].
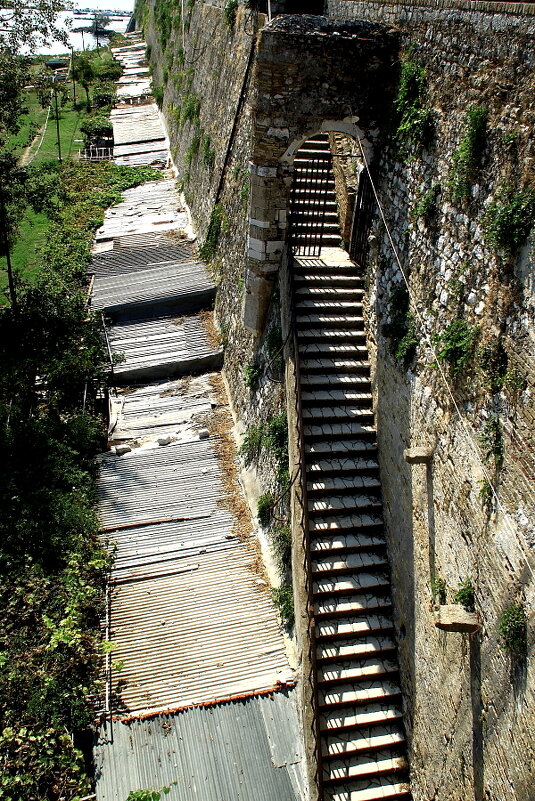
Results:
[314, 211]
[360, 705]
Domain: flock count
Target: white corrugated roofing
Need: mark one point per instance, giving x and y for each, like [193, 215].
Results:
[169, 408]
[190, 618]
[246, 750]
[161, 347]
[151, 207]
[169, 281]
[136, 123]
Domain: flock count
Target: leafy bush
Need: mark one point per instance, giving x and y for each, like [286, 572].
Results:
[252, 375]
[427, 206]
[158, 94]
[512, 627]
[265, 508]
[96, 126]
[456, 345]
[402, 329]
[467, 158]
[465, 595]
[509, 219]
[282, 545]
[230, 11]
[438, 589]
[414, 126]
[283, 599]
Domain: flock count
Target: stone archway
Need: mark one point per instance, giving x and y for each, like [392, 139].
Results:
[302, 88]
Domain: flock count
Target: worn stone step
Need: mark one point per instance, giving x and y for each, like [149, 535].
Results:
[343, 504]
[336, 431]
[340, 381]
[344, 542]
[337, 564]
[341, 320]
[315, 213]
[328, 292]
[339, 628]
[346, 605]
[356, 766]
[350, 649]
[346, 445]
[377, 789]
[354, 717]
[343, 484]
[301, 228]
[325, 240]
[369, 522]
[335, 365]
[344, 413]
[348, 584]
[336, 336]
[358, 670]
[341, 465]
[333, 306]
[361, 740]
[306, 277]
[349, 351]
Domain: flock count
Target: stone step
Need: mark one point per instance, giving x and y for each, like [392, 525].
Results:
[358, 670]
[356, 767]
[361, 740]
[321, 213]
[307, 276]
[334, 307]
[344, 395]
[336, 381]
[339, 430]
[343, 484]
[352, 562]
[377, 789]
[343, 504]
[325, 227]
[338, 414]
[345, 350]
[326, 240]
[356, 523]
[352, 604]
[343, 628]
[351, 717]
[335, 365]
[329, 292]
[304, 195]
[341, 465]
[343, 542]
[342, 320]
[350, 584]
[330, 651]
[336, 337]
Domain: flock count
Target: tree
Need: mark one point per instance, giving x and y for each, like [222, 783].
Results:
[84, 72]
[26, 25]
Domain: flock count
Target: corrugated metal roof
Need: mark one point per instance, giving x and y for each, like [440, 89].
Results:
[191, 619]
[241, 751]
[156, 158]
[186, 281]
[169, 408]
[119, 262]
[151, 207]
[161, 348]
[136, 123]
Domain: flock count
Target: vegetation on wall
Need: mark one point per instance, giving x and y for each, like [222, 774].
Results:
[512, 627]
[402, 328]
[467, 157]
[510, 218]
[465, 595]
[456, 345]
[414, 120]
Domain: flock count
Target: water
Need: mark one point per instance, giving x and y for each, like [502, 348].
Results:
[84, 41]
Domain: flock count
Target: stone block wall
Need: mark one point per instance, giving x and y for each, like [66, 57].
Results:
[467, 700]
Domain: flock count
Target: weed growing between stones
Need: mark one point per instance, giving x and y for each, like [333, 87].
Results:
[264, 508]
[402, 329]
[427, 206]
[251, 376]
[512, 627]
[465, 595]
[467, 158]
[230, 12]
[456, 345]
[486, 495]
[509, 219]
[438, 589]
[492, 441]
[209, 247]
[414, 128]
[281, 538]
[284, 601]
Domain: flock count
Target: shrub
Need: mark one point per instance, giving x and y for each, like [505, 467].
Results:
[209, 247]
[509, 220]
[284, 601]
[251, 373]
[158, 94]
[492, 440]
[456, 345]
[512, 627]
[264, 509]
[467, 158]
[282, 545]
[414, 120]
[427, 206]
[465, 595]
[438, 589]
[230, 12]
